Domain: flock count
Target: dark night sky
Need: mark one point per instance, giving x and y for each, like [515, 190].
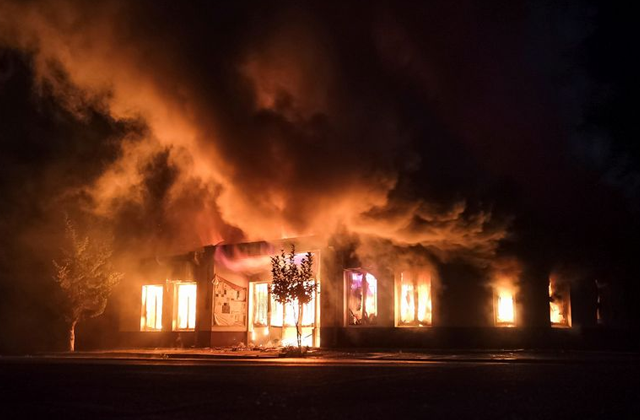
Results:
[379, 118]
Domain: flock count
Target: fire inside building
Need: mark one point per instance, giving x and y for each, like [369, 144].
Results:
[221, 296]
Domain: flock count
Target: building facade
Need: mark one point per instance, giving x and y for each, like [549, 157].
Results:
[221, 296]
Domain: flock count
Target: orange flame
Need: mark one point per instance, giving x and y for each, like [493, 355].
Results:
[559, 304]
[186, 306]
[151, 319]
[505, 310]
[415, 299]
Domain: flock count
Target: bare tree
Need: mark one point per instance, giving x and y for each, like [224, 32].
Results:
[86, 276]
[293, 284]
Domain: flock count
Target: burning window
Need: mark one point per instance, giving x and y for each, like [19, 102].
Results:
[277, 313]
[185, 306]
[414, 295]
[265, 307]
[559, 304]
[309, 313]
[362, 297]
[266, 313]
[261, 304]
[505, 307]
[151, 319]
[287, 315]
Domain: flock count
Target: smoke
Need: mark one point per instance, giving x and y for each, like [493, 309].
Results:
[258, 135]
[440, 132]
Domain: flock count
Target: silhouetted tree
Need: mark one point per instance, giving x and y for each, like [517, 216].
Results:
[293, 284]
[86, 276]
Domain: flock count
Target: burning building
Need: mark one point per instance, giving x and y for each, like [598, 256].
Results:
[175, 127]
[221, 295]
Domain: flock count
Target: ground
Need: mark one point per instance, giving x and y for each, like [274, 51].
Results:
[370, 387]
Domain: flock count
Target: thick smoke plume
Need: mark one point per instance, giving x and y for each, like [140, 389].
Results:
[416, 132]
[258, 135]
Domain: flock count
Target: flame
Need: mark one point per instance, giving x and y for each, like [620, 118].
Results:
[363, 297]
[407, 310]
[289, 311]
[236, 175]
[371, 301]
[505, 307]
[412, 289]
[234, 259]
[559, 304]
[268, 313]
[151, 319]
[555, 309]
[186, 311]
[260, 304]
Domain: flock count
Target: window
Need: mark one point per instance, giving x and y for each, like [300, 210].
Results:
[184, 317]
[151, 318]
[414, 299]
[270, 320]
[559, 304]
[265, 303]
[277, 312]
[309, 313]
[504, 307]
[261, 306]
[288, 318]
[362, 297]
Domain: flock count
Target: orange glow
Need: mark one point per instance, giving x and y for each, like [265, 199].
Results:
[309, 313]
[151, 319]
[290, 73]
[505, 307]
[371, 300]
[281, 318]
[362, 297]
[289, 337]
[290, 312]
[277, 313]
[260, 304]
[234, 259]
[559, 304]
[415, 288]
[555, 313]
[186, 306]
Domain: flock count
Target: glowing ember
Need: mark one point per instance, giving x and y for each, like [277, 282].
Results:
[186, 308]
[151, 319]
[505, 308]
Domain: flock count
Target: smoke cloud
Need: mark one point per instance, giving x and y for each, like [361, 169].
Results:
[427, 133]
[253, 137]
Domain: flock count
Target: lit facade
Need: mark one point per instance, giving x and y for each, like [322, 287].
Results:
[221, 296]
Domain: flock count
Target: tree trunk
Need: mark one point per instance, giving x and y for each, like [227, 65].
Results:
[72, 336]
[299, 326]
